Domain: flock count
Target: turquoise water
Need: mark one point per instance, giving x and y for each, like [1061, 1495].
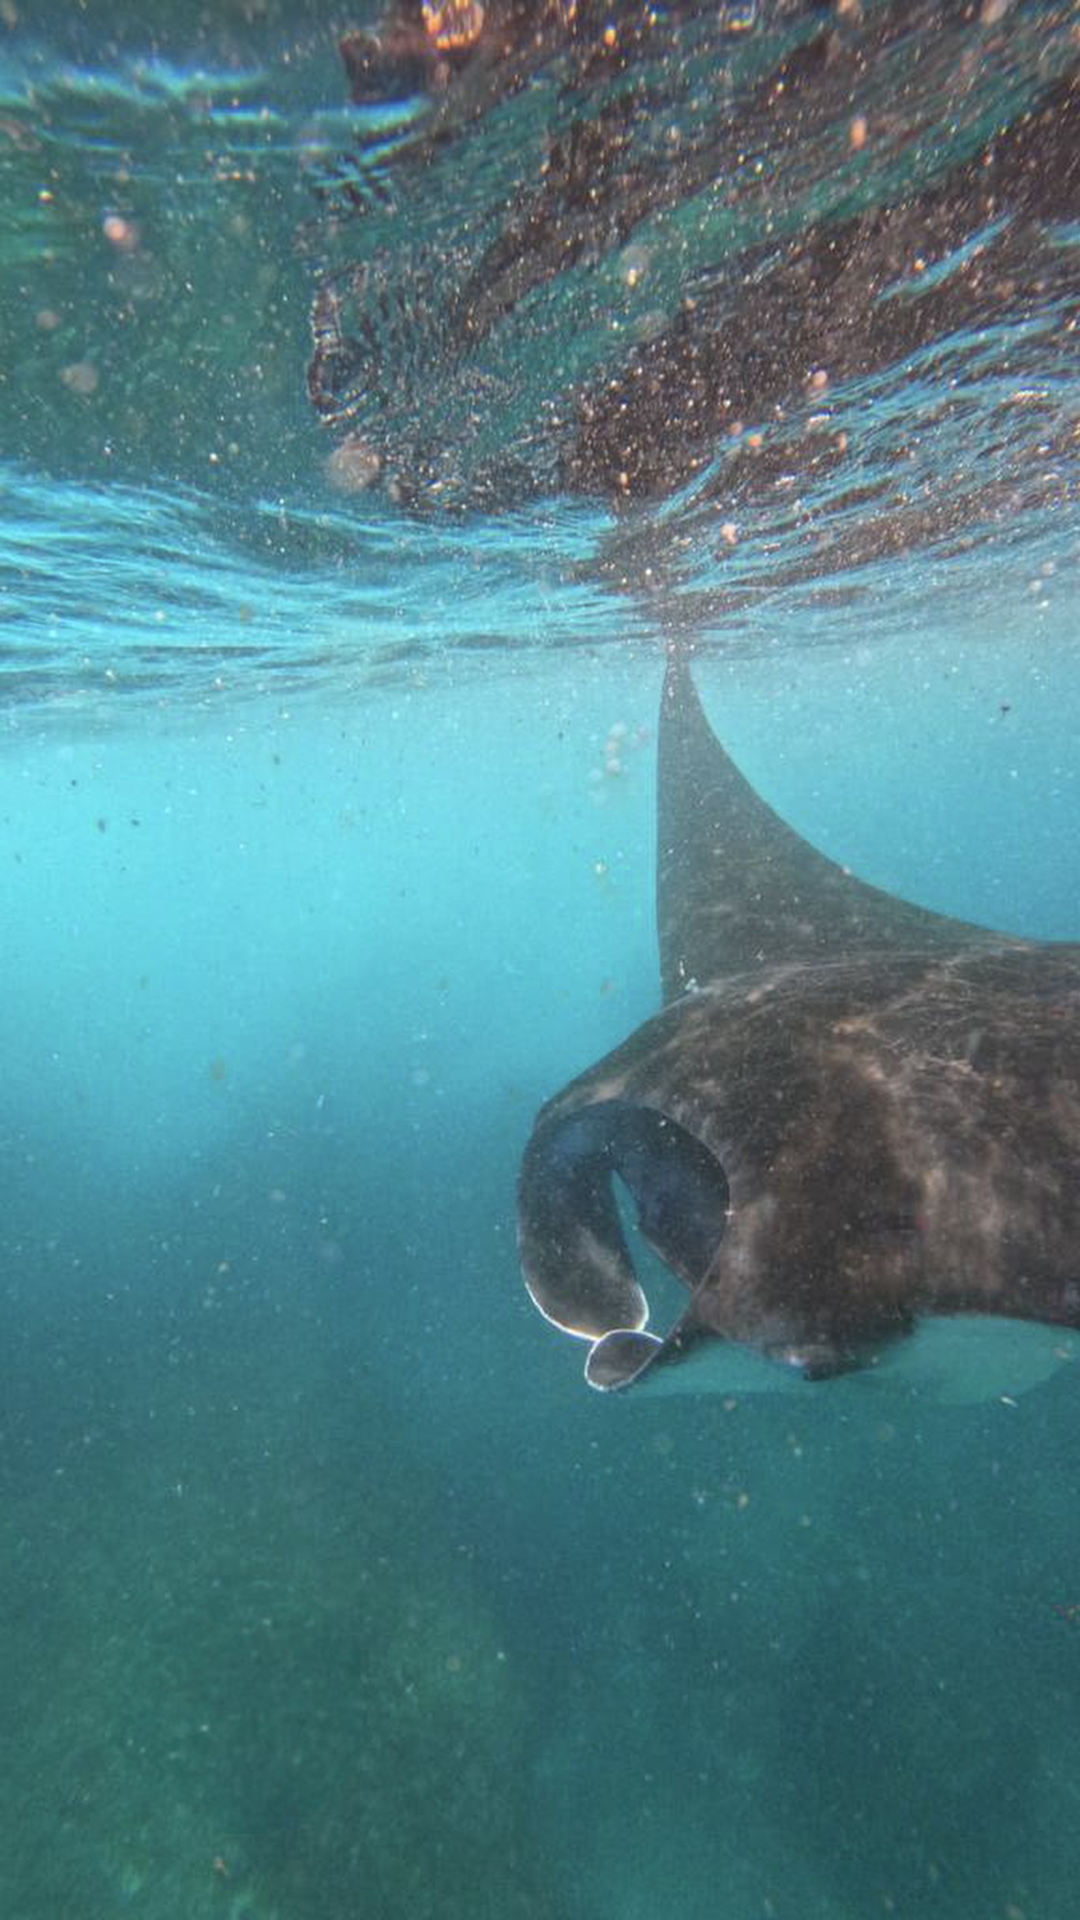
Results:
[327, 1589]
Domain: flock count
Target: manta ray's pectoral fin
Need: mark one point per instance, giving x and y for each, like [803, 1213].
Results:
[737, 888]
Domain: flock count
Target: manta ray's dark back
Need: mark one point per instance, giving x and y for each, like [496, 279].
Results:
[852, 1115]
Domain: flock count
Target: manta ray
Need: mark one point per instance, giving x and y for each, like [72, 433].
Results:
[852, 1133]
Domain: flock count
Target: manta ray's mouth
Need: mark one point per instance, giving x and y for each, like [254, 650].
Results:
[574, 1254]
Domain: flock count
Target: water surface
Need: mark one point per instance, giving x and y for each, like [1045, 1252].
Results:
[327, 1587]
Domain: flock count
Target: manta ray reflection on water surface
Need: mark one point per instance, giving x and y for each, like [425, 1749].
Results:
[854, 1126]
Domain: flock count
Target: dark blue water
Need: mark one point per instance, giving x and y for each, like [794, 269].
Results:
[326, 1587]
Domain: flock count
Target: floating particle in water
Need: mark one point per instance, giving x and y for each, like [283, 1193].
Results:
[121, 233]
[621, 741]
[13, 130]
[613, 765]
[454, 26]
[81, 377]
[354, 466]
